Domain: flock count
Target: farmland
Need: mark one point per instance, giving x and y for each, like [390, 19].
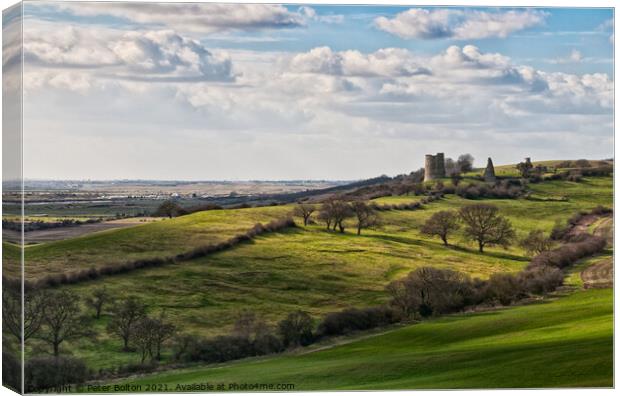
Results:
[311, 269]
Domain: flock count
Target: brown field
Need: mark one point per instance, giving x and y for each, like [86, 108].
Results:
[60, 233]
[599, 275]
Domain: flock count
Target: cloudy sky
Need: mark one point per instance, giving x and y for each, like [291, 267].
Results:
[206, 91]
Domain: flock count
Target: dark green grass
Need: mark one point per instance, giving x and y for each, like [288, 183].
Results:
[563, 343]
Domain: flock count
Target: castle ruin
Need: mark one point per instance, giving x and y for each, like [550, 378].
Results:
[434, 167]
[489, 172]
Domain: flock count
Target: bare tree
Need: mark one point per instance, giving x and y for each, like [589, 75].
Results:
[484, 225]
[451, 167]
[141, 336]
[62, 319]
[296, 329]
[525, 168]
[326, 213]
[536, 242]
[456, 178]
[98, 299]
[148, 335]
[12, 312]
[441, 224]
[404, 298]
[162, 332]
[169, 209]
[365, 214]
[465, 163]
[341, 211]
[125, 315]
[304, 211]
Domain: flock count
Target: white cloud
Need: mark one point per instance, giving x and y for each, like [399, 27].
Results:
[388, 62]
[354, 114]
[419, 23]
[575, 56]
[162, 55]
[195, 17]
[311, 14]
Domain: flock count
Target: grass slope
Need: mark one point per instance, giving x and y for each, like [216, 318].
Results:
[164, 238]
[563, 343]
[308, 268]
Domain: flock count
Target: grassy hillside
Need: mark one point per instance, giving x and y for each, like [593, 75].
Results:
[165, 238]
[307, 268]
[563, 343]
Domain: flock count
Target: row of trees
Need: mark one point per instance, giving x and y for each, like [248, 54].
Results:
[334, 211]
[55, 317]
[482, 224]
[485, 226]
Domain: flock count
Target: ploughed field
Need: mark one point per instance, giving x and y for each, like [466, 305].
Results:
[317, 271]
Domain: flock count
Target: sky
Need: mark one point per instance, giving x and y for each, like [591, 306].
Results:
[275, 92]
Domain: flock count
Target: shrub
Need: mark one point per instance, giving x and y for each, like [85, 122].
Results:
[541, 280]
[503, 288]
[536, 242]
[45, 373]
[354, 319]
[11, 370]
[431, 291]
[583, 163]
[579, 247]
[296, 329]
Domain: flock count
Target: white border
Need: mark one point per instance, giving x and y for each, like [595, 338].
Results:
[488, 3]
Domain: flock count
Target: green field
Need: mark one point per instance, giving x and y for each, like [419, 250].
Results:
[566, 342]
[160, 239]
[317, 271]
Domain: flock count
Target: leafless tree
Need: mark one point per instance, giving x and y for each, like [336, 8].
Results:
[326, 212]
[441, 224]
[341, 211]
[404, 298]
[124, 315]
[366, 216]
[149, 334]
[536, 242]
[12, 312]
[465, 163]
[62, 319]
[296, 329]
[304, 211]
[484, 225]
[98, 299]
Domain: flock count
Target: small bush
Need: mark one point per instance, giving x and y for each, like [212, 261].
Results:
[579, 247]
[11, 370]
[504, 288]
[354, 319]
[52, 373]
[541, 280]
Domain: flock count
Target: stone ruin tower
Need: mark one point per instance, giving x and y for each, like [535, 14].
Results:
[489, 172]
[434, 167]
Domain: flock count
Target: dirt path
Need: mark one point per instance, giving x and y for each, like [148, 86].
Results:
[599, 275]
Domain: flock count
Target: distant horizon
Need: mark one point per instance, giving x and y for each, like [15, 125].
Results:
[280, 180]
